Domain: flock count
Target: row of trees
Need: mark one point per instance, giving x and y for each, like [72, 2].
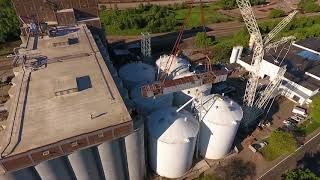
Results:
[9, 25]
[153, 18]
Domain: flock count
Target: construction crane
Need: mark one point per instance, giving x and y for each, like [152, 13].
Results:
[164, 86]
[258, 53]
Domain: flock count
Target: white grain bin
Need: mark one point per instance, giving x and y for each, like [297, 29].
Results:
[134, 74]
[178, 66]
[220, 119]
[147, 105]
[171, 138]
[236, 54]
[181, 97]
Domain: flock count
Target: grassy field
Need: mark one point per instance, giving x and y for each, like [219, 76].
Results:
[211, 15]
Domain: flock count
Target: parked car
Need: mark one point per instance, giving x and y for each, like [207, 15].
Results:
[289, 123]
[223, 89]
[257, 146]
[300, 110]
[297, 117]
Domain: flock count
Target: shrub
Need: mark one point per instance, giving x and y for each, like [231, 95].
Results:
[275, 13]
[301, 175]
[202, 40]
[309, 6]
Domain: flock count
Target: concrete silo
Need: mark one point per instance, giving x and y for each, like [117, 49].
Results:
[135, 151]
[171, 138]
[220, 119]
[134, 74]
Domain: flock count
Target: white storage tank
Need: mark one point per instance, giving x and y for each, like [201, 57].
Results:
[147, 105]
[171, 138]
[134, 74]
[181, 97]
[220, 119]
[178, 66]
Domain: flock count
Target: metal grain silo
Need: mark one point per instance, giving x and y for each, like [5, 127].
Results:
[220, 119]
[171, 138]
[147, 105]
[178, 65]
[134, 74]
[181, 97]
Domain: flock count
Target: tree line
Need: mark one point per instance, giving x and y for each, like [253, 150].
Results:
[9, 24]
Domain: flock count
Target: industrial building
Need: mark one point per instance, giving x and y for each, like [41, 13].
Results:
[302, 78]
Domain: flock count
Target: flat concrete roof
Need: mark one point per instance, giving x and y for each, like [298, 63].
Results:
[64, 90]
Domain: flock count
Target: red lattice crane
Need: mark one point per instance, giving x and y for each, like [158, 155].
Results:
[164, 86]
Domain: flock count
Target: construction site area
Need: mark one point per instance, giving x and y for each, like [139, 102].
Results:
[77, 103]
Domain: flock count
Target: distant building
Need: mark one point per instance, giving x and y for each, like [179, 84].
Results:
[58, 12]
[302, 79]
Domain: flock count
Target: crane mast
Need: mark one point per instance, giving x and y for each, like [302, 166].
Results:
[249, 103]
[253, 29]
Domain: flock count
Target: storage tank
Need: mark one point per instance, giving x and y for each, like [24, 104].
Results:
[220, 119]
[134, 74]
[171, 138]
[147, 105]
[178, 66]
[181, 97]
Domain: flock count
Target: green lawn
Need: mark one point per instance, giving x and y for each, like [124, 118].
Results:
[211, 15]
[125, 32]
[308, 126]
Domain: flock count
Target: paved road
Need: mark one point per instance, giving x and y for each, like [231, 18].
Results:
[290, 161]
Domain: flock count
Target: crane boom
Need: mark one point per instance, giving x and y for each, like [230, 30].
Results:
[280, 42]
[279, 27]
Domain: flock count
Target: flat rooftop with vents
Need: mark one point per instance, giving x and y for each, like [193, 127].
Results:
[63, 99]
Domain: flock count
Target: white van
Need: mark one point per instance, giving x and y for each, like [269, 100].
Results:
[299, 110]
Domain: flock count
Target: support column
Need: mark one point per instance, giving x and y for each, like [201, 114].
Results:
[135, 153]
[24, 174]
[111, 159]
[84, 165]
[55, 169]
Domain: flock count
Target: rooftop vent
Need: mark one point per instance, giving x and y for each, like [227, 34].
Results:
[66, 85]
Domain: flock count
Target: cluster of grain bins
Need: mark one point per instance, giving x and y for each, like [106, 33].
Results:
[171, 132]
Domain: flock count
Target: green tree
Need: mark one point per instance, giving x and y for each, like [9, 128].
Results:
[299, 174]
[280, 143]
[309, 6]
[9, 25]
[275, 13]
[202, 40]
